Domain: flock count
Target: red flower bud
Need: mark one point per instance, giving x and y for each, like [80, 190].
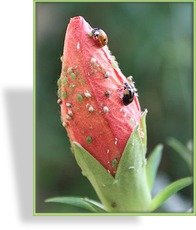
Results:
[91, 88]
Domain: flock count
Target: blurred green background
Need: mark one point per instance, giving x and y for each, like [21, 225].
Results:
[152, 42]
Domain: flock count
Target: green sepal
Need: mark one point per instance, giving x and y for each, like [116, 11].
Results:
[152, 165]
[169, 191]
[131, 174]
[128, 190]
[144, 129]
[84, 203]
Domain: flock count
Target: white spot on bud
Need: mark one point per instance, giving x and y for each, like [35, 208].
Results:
[141, 134]
[69, 71]
[87, 94]
[130, 79]
[59, 101]
[106, 75]
[105, 109]
[70, 112]
[90, 109]
[64, 124]
[115, 140]
[78, 46]
[93, 60]
[68, 117]
[68, 104]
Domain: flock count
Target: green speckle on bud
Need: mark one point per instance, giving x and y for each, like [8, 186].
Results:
[64, 95]
[114, 162]
[73, 76]
[59, 87]
[80, 98]
[64, 81]
[59, 82]
[59, 92]
[88, 140]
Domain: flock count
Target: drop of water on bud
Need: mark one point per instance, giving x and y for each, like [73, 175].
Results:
[115, 181]
[142, 134]
[131, 167]
[132, 121]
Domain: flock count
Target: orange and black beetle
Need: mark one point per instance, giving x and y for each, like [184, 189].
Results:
[100, 36]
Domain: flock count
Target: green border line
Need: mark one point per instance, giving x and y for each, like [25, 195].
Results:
[115, 214]
[34, 113]
[194, 110]
[135, 1]
[34, 107]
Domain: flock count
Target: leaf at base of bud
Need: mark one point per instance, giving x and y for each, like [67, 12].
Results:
[126, 192]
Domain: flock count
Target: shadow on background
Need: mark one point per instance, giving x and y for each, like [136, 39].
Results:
[20, 119]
